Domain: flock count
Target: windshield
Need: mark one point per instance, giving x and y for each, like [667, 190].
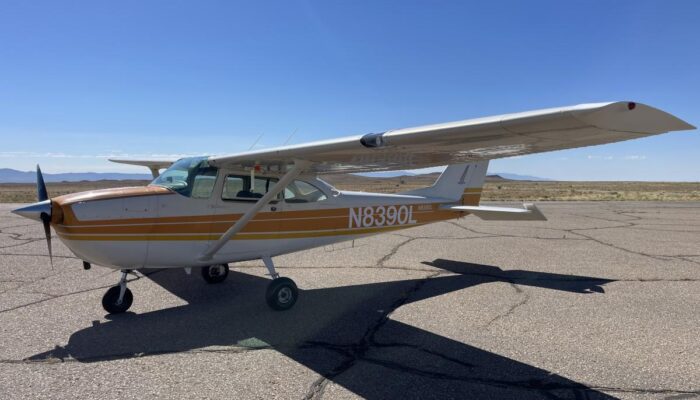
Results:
[191, 177]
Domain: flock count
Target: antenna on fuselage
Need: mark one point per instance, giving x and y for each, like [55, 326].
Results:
[256, 141]
[290, 137]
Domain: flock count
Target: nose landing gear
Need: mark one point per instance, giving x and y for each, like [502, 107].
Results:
[118, 299]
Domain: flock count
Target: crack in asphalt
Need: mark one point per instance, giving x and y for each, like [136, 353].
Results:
[39, 255]
[58, 296]
[503, 235]
[583, 236]
[357, 351]
[511, 310]
[392, 252]
[61, 355]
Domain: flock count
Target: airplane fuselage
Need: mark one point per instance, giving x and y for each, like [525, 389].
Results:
[132, 228]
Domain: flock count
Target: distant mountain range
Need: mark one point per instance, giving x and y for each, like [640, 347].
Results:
[503, 175]
[8, 175]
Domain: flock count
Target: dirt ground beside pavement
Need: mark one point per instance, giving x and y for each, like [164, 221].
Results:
[494, 190]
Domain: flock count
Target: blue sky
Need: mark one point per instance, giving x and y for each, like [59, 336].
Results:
[80, 81]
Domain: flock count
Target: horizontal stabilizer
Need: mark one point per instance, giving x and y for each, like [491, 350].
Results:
[529, 212]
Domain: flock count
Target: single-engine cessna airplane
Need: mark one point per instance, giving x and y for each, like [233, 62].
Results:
[210, 211]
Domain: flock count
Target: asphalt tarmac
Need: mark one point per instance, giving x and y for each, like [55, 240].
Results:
[601, 301]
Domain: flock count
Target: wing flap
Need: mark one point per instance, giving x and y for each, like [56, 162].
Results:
[529, 212]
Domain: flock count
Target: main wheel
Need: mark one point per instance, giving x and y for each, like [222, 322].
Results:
[110, 301]
[281, 294]
[215, 273]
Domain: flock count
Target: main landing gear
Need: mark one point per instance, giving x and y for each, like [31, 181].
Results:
[118, 299]
[281, 293]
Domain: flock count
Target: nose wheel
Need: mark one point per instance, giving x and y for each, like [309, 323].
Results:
[118, 299]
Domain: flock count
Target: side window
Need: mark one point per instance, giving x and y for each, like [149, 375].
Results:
[203, 183]
[262, 185]
[239, 187]
[232, 185]
[303, 192]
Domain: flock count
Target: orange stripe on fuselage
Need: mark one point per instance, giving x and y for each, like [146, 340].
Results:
[240, 236]
[267, 225]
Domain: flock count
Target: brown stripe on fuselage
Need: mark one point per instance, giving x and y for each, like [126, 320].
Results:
[240, 236]
[286, 221]
[471, 197]
[265, 225]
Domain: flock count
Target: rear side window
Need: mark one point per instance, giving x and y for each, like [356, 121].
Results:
[241, 187]
[303, 192]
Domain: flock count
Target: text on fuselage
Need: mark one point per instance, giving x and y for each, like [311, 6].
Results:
[365, 217]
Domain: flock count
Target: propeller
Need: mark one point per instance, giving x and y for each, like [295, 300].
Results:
[43, 195]
[40, 211]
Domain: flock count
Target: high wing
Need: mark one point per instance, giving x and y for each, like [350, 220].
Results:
[470, 140]
[154, 165]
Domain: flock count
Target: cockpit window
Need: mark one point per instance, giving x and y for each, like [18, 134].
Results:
[241, 187]
[190, 177]
[303, 192]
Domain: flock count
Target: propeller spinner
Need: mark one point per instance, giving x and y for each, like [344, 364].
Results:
[41, 210]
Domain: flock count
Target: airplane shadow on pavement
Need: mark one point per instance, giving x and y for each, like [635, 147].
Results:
[342, 333]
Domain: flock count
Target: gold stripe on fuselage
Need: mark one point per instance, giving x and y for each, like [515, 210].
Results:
[242, 236]
[265, 225]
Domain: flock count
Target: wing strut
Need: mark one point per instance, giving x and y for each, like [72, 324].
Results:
[298, 167]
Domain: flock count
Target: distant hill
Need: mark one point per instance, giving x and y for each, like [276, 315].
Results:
[387, 174]
[492, 177]
[8, 175]
[517, 177]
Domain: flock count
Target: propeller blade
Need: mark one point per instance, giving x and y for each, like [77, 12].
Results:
[41, 192]
[46, 221]
[43, 195]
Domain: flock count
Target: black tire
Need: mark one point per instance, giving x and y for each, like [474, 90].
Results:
[215, 273]
[109, 300]
[281, 294]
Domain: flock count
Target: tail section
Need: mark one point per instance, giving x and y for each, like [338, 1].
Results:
[459, 183]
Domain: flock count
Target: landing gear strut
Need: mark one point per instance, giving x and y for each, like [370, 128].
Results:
[281, 293]
[118, 299]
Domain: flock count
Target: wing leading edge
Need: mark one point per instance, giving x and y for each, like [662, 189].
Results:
[470, 140]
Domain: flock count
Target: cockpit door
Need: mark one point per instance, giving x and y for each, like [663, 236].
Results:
[237, 193]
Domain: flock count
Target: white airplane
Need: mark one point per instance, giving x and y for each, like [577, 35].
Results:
[210, 211]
